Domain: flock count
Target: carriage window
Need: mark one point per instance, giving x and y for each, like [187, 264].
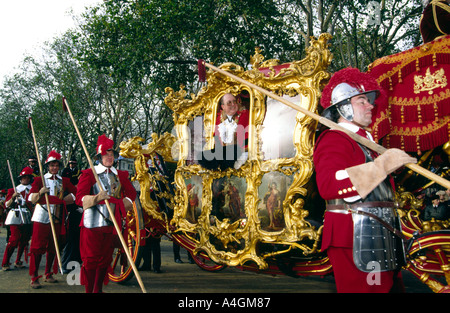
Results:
[232, 120]
[196, 140]
[229, 143]
[277, 135]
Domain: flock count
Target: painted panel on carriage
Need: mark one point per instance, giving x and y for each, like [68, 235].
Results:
[278, 129]
[228, 198]
[272, 192]
[194, 203]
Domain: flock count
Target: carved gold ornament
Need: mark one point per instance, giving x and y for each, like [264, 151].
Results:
[233, 214]
[429, 82]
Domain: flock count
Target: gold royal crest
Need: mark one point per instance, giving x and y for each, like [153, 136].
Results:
[429, 82]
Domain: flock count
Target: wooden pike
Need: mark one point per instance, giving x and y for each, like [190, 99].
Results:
[108, 206]
[332, 125]
[50, 216]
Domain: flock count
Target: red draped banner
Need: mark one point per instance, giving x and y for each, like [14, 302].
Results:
[417, 82]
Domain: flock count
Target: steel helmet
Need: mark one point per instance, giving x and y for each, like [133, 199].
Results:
[53, 156]
[344, 85]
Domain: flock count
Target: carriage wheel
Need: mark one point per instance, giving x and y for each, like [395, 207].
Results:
[205, 263]
[436, 263]
[122, 270]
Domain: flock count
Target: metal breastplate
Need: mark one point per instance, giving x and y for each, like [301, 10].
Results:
[40, 211]
[375, 248]
[19, 215]
[98, 216]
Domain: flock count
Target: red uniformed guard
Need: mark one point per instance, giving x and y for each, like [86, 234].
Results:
[97, 230]
[365, 256]
[60, 192]
[18, 219]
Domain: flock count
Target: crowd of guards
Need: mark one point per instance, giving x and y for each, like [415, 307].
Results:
[19, 216]
[79, 225]
[81, 228]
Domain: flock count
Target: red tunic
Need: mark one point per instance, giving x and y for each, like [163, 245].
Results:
[335, 151]
[96, 244]
[87, 180]
[42, 237]
[67, 187]
[24, 196]
[19, 234]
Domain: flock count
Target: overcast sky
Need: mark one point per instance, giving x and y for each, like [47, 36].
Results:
[27, 24]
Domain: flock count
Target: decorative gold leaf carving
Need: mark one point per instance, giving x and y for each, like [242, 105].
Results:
[429, 82]
[236, 241]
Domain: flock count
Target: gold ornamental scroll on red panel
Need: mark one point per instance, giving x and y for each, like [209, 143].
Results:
[417, 82]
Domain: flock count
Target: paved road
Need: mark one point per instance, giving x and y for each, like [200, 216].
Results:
[180, 279]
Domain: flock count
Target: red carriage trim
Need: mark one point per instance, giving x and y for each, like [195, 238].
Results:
[274, 70]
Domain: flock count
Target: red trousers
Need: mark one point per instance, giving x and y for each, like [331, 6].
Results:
[20, 235]
[349, 279]
[96, 249]
[42, 242]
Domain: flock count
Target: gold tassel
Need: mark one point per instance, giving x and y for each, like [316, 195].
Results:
[402, 114]
[419, 113]
[436, 113]
[418, 145]
[448, 131]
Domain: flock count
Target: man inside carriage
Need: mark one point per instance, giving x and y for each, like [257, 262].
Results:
[230, 136]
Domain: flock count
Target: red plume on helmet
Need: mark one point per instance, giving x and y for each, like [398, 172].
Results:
[104, 144]
[53, 156]
[26, 171]
[353, 77]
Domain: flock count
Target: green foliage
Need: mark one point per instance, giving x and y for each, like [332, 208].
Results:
[113, 68]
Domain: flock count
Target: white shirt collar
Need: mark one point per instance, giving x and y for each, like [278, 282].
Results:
[351, 127]
[100, 168]
[21, 187]
[354, 128]
[48, 175]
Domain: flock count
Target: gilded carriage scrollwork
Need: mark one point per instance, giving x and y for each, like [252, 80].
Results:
[133, 149]
[233, 212]
[265, 214]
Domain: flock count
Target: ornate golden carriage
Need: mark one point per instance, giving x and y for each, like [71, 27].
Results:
[266, 214]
